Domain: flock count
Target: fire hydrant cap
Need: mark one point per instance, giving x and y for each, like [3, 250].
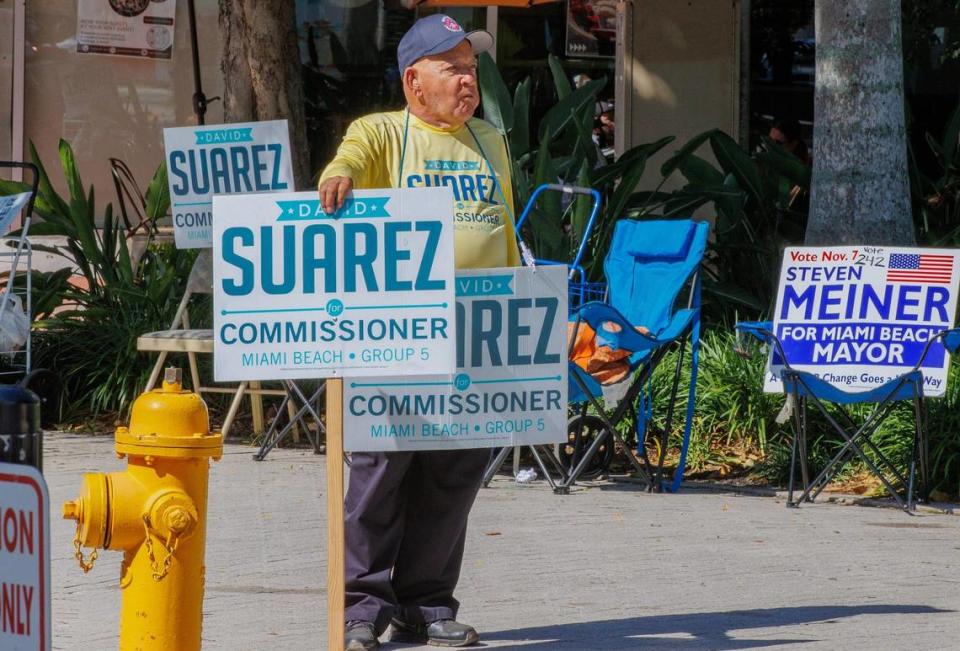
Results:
[169, 422]
[90, 510]
[170, 411]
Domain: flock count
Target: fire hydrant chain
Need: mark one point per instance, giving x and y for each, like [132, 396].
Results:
[170, 546]
[85, 565]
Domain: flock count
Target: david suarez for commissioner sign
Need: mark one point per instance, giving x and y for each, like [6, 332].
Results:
[859, 316]
[367, 290]
[222, 159]
[510, 386]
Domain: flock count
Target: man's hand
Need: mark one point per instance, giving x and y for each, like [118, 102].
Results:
[333, 191]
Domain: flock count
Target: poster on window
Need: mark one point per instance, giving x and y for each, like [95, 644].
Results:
[129, 28]
[591, 28]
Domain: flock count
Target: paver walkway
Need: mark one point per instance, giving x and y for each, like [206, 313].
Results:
[608, 567]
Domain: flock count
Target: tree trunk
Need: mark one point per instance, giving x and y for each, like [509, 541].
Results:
[261, 71]
[860, 192]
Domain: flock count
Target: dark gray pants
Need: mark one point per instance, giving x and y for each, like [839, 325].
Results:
[406, 522]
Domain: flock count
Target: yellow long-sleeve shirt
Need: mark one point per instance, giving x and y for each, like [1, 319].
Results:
[371, 155]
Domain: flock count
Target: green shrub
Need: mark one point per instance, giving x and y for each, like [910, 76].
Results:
[90, 320]
[735, 420]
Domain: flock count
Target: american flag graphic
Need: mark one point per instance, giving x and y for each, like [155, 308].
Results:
[920, 268]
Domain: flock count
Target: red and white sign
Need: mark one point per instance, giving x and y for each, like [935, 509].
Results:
[24, 559]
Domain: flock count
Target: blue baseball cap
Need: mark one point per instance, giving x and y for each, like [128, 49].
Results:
[435, 34]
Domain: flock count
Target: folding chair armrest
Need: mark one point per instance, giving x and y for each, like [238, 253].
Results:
[598, 315]
[951, 340]
[762, 330]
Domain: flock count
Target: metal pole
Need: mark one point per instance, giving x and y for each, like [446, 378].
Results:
[493, 14]
[199, 99]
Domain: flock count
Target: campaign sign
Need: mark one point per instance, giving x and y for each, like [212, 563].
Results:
[367, 290]
[24, 559]
[10, 207]
[860, 316]
[510, 386]
[222, 159]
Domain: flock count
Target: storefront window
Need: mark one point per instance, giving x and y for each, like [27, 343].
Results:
[525, 38]
[348, 49]
[782, 64]
[111, 106]
[470, 18]
[349, 53]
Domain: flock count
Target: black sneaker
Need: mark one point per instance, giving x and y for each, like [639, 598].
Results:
[360, 636]
[443, 632]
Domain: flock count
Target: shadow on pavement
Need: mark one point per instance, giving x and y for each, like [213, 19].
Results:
[690, 631]
[689, 487]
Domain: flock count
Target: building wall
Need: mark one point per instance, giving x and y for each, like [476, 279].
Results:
[683, 72]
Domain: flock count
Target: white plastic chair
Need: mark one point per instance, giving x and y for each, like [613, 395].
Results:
[181, 338]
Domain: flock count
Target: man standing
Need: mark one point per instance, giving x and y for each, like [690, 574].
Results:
[406, 512]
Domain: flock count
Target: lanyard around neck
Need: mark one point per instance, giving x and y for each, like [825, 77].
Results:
[493, 175]
[524, 249]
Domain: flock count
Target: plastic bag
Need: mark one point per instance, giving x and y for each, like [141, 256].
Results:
[14, 325]
[526, 476]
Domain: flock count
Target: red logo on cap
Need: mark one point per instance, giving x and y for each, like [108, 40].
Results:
[451, 24]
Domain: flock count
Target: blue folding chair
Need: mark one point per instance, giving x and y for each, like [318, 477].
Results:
[804, 388]
[648, 266]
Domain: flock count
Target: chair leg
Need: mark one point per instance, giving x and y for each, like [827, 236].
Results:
[309, 408]
[920, 447]
[865, 431]
[550, 451]
[610, 431]
[256, 408]
[494, 465]
[155, 373]
[801, 404]
[668, 422]
[584, 460]
[543, 467]
[271, 437]
[234, 407]
[194, 372]
[291, 413]
[924, 453]
[798, 424]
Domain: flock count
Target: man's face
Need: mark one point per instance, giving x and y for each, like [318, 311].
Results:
[777, 136]
[448, 84]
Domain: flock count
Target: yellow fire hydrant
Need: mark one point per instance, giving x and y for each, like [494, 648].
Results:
[155, 513]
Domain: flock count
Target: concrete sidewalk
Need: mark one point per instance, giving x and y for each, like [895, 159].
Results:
[608, 567]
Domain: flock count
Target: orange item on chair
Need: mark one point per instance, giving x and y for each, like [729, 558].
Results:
[605, 364]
